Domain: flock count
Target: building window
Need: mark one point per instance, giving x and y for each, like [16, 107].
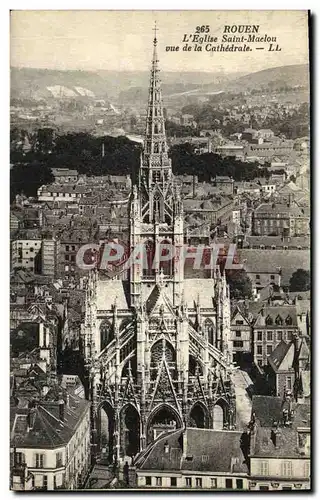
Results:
[307, 469]
[289, 335]
[279, 336]
[257, 276]
[269, 349]
[237, 343]
[239, 322]
[148, 480]
[270, 336]
[73, 258]
[286, 488]
[259, 362]
[272, 277]
[286, 469]
[45, 482]
[19, 458]
[264, 487]
[238, 333]
[73, 248]
[158, 481]
[213, 482]
[259, 349]
[229, 484]
[33, 481]
[259, 335]
[39, 460]
[239, 484]
[173, 481]
[67, 248]
[189, 482]
[198, 482]
[289, 383]
[66, 257]
[59, 459]
[205, 458]
[264, 468]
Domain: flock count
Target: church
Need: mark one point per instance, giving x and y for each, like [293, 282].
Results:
[156, 345]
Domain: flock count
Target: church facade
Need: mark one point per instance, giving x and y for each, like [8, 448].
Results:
[156, 345]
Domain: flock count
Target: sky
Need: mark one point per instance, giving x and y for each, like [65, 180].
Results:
[122, 40]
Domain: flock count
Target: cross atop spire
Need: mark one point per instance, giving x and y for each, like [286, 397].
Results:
[155, 29]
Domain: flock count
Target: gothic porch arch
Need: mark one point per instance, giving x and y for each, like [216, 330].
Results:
[220, 414]
[105, 422]
[199, 415]
[162, 416]
[130, 422]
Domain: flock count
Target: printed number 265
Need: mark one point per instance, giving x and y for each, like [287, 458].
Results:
[202, 29]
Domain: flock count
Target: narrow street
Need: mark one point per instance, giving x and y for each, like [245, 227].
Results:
[242, 381]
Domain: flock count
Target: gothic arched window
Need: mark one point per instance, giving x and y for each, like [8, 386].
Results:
[106, 334]
[157, 352]
[279, 320]
[165, 252]
[208, 329]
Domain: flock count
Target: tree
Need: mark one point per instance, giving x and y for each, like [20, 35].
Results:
[300, 281]
[239, 283]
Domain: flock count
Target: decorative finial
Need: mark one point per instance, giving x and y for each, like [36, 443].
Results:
[155, 29]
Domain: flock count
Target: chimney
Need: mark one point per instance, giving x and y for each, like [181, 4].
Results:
[166, 447]
[275, 437]
[31, 418]
[61, 410]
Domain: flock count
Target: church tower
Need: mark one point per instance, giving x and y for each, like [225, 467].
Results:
[156, 346]
[156, 216]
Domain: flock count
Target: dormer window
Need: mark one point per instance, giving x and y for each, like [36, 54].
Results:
[279, 320]
[288, 320]
[269, 320]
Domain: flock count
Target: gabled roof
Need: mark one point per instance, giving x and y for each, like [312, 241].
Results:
[158, 298]
[281, 353]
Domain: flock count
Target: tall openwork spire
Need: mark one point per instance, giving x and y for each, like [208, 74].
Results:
[155, 165]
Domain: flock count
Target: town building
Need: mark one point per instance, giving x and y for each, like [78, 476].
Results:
[50, 444]
[289, 368]
[279, 444]
[26, 251]
[272, 325]
[272, 219]
[241, 336]
[65, 175]
[193, 458]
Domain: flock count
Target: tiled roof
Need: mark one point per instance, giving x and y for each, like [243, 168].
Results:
[267, 409]
[262, 261]
[207, 450]
[286, 447]
[47, 430]
[283, 312]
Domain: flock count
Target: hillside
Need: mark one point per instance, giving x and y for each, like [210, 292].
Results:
[272, 78]
[34, 83]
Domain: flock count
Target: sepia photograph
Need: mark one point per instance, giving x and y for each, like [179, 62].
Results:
[160, 269]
